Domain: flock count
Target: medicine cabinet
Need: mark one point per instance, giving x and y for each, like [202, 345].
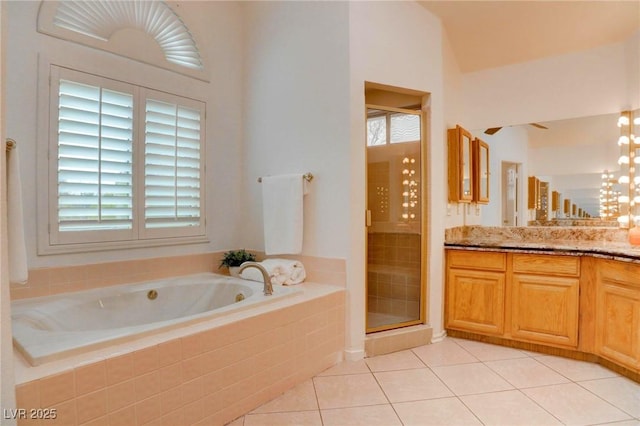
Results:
[460, 144]
[468, 167]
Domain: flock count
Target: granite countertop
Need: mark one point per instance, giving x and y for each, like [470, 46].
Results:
[600, 242]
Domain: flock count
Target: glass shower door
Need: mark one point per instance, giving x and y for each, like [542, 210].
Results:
[394, 176]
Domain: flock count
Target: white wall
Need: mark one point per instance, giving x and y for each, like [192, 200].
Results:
[217, 27]
[296, 116]
[398, 44]
[592, 82]
[510, 144]
[7, 392]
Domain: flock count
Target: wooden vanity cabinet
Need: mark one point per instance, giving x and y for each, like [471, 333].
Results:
[475, 291]
[530, 298]
[545, 299]
[460, 144]
[618, 313]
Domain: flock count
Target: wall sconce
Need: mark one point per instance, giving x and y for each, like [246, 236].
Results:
[629, 161]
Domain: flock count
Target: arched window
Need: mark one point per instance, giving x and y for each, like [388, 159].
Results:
[95, 22]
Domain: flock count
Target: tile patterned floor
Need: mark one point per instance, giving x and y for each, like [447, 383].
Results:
[457, 382]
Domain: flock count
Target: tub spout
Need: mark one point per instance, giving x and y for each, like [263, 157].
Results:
[268, 287]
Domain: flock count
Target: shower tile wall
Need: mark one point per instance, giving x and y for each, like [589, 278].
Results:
[394, 274]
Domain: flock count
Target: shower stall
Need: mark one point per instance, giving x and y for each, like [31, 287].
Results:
[395, 205]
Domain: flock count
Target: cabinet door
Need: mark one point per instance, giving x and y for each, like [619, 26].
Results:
[545, 309]
[480, 171]
[475, 301]
[618, 314]
[460, 165]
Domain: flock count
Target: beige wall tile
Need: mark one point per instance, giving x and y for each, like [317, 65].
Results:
[148, 410]
[119, 369]
[145, 360]
[91, 406]
[120, 396]
[147, 385]
[57, 388]
[169, 353]
[90, 378]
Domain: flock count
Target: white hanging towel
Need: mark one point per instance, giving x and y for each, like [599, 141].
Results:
[282, 213]
[18, 272]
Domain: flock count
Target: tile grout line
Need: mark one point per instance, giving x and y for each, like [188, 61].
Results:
[604, 400]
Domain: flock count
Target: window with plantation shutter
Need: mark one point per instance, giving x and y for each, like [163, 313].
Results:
[171, 164]
[125, 163]
[95, 142]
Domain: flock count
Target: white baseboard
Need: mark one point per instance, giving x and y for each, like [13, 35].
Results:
[353, 354]
[438, 337]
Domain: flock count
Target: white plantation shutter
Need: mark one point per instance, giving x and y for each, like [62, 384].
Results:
[94, 173]
[172, 165]
[109, 184]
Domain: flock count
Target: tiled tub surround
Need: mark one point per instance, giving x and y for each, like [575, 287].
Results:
[53, 327]
[604, 242]
[64, 279]
[207, 373]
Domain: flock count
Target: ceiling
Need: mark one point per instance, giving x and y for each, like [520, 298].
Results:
[489, 34]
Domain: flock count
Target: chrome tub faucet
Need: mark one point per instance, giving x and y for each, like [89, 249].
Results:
[268, 287]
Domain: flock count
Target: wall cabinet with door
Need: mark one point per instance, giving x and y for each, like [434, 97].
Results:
[468, 167]
[590, 305]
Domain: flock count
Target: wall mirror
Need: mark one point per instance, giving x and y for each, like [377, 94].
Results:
[569, 157]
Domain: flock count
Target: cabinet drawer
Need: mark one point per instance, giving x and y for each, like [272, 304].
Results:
[486, 261]
[546, 264]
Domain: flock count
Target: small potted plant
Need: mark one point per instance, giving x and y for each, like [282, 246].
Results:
[234, 258]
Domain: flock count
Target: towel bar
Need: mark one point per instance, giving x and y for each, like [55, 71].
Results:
[307, 176]
[10, 144]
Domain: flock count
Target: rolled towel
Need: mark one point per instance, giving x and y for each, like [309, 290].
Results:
[282, 271]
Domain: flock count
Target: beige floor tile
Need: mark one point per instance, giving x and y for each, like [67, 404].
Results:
[411, 385]
[374, 415]
[619, 391]
[576, 370]
[237, 422]
[300, 398]
[299, 418]
[446, 352]
[574, 405]
[526, 372]
[508, 408]
[441, 412]
[468, 379]
[348, 391]
[346, 367]
[488, 352]
[402, 360]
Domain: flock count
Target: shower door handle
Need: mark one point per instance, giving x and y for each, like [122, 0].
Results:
[368, 218]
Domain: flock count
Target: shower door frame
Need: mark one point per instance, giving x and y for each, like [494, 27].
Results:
[423, 113]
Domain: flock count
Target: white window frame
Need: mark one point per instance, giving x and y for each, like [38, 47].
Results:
[53, 241]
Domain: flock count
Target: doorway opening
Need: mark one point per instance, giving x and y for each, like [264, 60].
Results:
[396, 122]
[510, 193]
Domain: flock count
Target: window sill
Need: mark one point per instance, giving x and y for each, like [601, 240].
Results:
[44, 250]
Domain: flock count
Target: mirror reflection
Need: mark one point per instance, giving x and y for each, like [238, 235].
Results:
[572, 160]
